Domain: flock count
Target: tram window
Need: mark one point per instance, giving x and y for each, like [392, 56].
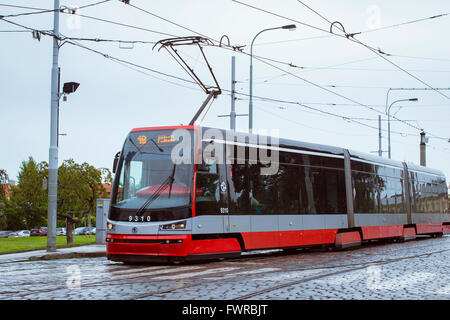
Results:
[255, 193]
[363, 167]
[428, 194]
[365, 191]
[239, 199]
[294, 189]
[207, 196]
[320, 190]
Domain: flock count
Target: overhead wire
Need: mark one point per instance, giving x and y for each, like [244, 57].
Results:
[378, 52]
[348, 36]
[181, 79]
[403, 23]
[123, 24]
[41, 10]
[20, 7]
[169, 21]
[258, 97]
[66, 10]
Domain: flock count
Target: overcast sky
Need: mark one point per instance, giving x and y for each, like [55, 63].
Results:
[330, 75]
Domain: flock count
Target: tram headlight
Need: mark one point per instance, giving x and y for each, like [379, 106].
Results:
[110, 226]
[173, 226]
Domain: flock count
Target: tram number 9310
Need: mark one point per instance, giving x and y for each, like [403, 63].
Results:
[139, 218]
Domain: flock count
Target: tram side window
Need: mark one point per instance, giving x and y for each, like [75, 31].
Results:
[255, 193]
[207, 195]
[413, 191]
[325, 190]
[367, 192]
[394, 201]
[429, 194]
[443, 196]
[376, 193]
[294, 189]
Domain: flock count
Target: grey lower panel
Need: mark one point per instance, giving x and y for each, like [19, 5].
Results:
[122, 227]
[379, 219]
[324, 221]
[430, 217]
[208, 224]
[260, 223]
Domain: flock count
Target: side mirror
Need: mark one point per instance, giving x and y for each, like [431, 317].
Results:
[116, 160]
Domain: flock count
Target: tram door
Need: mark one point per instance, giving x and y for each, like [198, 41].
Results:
[212, 188]
[235, 219]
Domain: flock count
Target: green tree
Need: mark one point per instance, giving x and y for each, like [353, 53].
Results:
[3, 199]
[27, 207]
[79, 186]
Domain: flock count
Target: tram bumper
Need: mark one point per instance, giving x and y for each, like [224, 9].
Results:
[150, 248]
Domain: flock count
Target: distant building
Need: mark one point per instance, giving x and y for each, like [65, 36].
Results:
[108, 188]
[7, 188]
[448, 199]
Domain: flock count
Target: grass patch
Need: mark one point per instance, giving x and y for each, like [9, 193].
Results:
[10, 245]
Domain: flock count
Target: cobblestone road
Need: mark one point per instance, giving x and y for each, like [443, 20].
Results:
[416, 270]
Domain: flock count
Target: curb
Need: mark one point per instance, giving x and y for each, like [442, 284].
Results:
[37, 249]
[71, 255]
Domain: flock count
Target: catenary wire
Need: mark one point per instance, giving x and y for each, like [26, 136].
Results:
[178, 78]
[346, 36]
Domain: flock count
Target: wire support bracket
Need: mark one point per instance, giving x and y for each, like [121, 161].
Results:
[171, 44]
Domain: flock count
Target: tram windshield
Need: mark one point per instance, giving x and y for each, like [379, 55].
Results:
[155, 171]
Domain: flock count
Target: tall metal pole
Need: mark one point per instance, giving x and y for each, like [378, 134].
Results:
[423, 150]
[53, 151]
[380, 152]
[233, 82]
[250, 104]
[389, 135]
[389, 121]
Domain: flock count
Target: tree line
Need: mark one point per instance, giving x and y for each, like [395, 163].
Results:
[79, 187]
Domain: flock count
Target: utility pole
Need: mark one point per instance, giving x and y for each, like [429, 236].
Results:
[233, 82]
[250, 104]
[388, 109]
[233, 113]
[53, 150]
[380, 152]
[423, 155]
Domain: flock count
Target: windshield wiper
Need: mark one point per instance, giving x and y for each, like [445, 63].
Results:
[159, 148]
[172, 178]
[168, 182]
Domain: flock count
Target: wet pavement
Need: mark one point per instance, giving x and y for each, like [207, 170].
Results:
[414, 270]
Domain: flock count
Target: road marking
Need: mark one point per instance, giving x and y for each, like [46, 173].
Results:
[152, 272]
[194, 274]
[250, 272]
[134, 271]
[291, 275]
[342, 279]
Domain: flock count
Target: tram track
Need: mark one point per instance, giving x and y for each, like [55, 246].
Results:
[320, 276]
[181, 276]
[273, 288]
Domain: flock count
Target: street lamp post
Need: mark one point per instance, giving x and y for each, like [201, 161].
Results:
[54, 135]
[53, 150]
[250, 106]
[389, 122]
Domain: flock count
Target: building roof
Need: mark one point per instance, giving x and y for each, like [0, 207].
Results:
[6, 190]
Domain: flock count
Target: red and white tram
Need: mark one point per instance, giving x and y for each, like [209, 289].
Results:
[188, 192]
